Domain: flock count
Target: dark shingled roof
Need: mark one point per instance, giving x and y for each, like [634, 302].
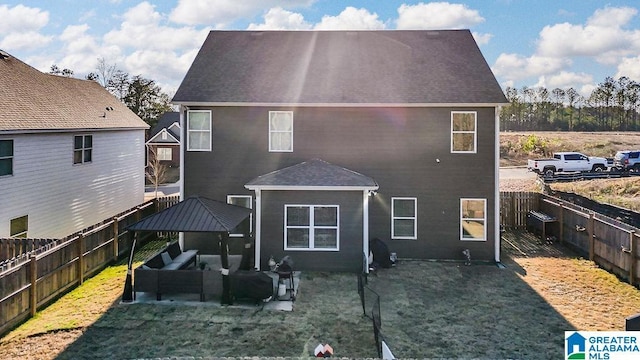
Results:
[340, 67]
[194, 214]
[166, 120]
[313, 173]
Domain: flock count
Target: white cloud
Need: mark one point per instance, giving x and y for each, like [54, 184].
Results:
[222, 12]
[21, 27]
[79, 49]
[21, 18]
[351, 19]
[482, 39]
[279, 19]
[629, 67]
[437, 15]
[518, 67]
[602, 37]
[565, 80]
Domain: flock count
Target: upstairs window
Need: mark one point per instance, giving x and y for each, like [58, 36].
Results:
[198, 130]
[463, 131]
[473, 219]
[6, 157]
[281, 131]
[19, 227]
[404, 218]
[82, 149]
[165, 153]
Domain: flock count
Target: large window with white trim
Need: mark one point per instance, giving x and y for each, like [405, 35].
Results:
[281, 131]
[463, 131]
[312, 227]
[199, 130]
[246, 226]
[473, 219]
[404, 218]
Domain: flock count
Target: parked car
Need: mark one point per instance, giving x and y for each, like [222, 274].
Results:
[627, 160]
[567, 162]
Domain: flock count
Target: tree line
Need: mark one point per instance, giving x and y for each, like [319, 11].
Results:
[143, 96]
[611, 106]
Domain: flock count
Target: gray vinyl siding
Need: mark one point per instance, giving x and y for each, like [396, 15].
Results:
[61, 198]
[397, 147]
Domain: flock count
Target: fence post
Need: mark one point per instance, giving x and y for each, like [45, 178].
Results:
[116, 236]
[561, 222]
[632, 255]
[80, 269]
[33, 293]
[591, 235]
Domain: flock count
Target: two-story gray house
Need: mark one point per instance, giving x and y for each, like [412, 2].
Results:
[71, 154]
[337, 137]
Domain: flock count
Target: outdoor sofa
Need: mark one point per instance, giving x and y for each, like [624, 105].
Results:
[175, 276]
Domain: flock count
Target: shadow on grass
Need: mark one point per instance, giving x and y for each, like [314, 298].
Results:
[429, 310]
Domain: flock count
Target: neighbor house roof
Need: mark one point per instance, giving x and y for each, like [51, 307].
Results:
[314, 173]
[170, 123]
[340, 67]
[34, 101]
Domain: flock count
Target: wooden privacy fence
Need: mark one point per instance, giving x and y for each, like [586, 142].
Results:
[37, 276]
[514, 207]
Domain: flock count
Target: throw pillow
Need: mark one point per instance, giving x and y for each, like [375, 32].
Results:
[166, 258]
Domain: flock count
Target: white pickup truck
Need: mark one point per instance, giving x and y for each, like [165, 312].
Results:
[568, 162]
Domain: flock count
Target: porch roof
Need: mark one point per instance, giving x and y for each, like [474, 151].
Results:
[313, 174]
[194, 214]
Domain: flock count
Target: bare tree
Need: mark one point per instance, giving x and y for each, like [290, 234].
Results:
[156, 172]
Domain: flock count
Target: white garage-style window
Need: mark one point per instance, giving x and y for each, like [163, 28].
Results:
[473, 219]
[312, 227]
[247, 224]
[199, 130]
[280, 131]
[404, 218]
[463, 131]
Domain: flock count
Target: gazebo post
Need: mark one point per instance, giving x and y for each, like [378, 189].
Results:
[127, 294]
[224, 259]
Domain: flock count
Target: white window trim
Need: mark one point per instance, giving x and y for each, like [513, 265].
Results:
[82, 150]
[483, 219]
[414, 218]
[312, 228]
[20, 234]
[474, 132]
[164, 152]
[271, 149]
[229, 198]
[10, 157]
[210, 131]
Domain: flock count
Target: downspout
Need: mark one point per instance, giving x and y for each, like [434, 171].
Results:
[183, 149]
[496, 206]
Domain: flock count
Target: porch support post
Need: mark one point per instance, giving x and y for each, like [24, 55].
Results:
[258, 232]
[365, 227]
[496, 205]
[224, 259]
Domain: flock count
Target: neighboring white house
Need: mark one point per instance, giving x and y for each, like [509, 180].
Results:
[71, 154]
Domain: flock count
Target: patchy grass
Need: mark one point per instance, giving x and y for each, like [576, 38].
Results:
[429, 310]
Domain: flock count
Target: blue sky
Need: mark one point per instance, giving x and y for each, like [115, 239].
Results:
[570, 43]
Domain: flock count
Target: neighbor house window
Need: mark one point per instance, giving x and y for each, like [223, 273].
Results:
[311, 227]
[246, 225]
[199, 130]
[281, 131]
[473, 219]
[164, 153]
[19, 227]
[404, 218]
[82, 149]
[463, 131]
[6, 157]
